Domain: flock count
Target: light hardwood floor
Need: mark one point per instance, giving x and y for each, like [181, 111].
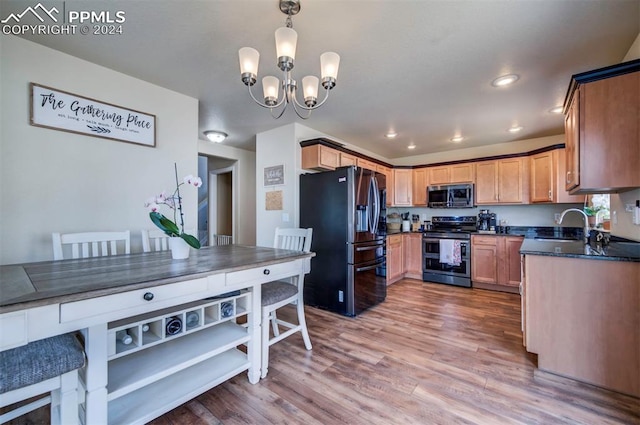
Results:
[430, 354]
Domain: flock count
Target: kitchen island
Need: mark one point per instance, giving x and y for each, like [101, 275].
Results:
[580, 311]
[181, 316]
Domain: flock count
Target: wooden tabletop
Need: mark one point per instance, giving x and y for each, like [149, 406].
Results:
[49, 282]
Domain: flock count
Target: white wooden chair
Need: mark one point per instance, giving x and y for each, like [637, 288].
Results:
[45, 366]
[280, 293]
[223, 239]
[154, 240]
[90, 244]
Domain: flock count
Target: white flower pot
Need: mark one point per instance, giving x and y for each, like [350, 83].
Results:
[179, 248]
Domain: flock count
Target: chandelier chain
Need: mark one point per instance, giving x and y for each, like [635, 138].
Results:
[289, 21]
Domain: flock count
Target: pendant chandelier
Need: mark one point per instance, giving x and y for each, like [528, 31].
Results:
[286, 40]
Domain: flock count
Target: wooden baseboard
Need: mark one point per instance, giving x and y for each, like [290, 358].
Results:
[496, 287]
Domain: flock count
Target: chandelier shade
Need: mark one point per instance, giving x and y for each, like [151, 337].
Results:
[286, 39]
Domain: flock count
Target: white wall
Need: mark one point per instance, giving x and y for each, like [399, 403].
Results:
[55, 181]
[245, 188]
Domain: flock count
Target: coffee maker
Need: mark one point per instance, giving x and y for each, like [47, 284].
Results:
[486, 222]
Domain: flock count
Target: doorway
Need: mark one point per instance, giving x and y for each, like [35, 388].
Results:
[217, 205]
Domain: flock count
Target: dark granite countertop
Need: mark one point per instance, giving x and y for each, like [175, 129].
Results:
[614, 251]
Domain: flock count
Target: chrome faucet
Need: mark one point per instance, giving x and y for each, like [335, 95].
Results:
[586, 222]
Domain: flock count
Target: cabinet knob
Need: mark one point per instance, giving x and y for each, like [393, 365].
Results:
[148, 296]
[266, 271]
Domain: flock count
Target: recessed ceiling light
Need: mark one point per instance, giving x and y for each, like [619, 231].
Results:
[515, 129]
[457, 139]
[215, 136]
[391, 135]
[505, 80]
[411, 146]
[556, 110]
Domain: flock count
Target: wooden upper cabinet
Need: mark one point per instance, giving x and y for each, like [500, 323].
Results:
[320, 157]
[462, 173]
[458, 173]
[503, 181]
[347, 159]
[542, 177]
[402, 187]
[389, 181]
[603, 129]
[369, 165]
[419, 188]
[548, 178]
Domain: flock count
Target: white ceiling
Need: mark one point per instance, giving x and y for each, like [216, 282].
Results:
[421, 68]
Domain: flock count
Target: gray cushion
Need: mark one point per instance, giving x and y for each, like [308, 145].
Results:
[274, 292]
[39, 361]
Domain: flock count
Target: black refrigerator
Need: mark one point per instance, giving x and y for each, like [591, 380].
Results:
[346, 209]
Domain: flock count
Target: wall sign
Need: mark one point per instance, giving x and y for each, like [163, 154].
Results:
[65, 111]
[274, 175]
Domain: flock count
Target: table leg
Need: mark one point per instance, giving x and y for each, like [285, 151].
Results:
[95, 374]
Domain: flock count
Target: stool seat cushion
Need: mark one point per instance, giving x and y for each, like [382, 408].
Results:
[39, 360]
[273, 292]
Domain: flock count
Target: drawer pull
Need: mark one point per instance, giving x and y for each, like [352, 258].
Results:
[148, 296]
[266, 271]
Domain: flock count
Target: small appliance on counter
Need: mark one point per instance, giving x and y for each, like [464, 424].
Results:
[486, 222]
[415, 223]
[406, 224]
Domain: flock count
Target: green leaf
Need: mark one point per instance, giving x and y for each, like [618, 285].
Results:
[191, 240]
[164, 224]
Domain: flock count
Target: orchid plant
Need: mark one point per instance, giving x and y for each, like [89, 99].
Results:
[174, 202]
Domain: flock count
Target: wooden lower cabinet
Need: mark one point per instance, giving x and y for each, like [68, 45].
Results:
[394, 258]
[495, 262]
[412, 250]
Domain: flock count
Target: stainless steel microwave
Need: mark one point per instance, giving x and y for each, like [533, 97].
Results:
[450, 196]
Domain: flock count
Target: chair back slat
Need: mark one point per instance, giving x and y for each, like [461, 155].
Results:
[156, 240]
[295, 240]
[91, 244]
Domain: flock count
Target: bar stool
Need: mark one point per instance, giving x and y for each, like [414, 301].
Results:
[45, 366]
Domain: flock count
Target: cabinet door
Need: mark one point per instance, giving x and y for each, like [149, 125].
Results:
[484, 259]
[394, 258]
[609, 142]
[542, 177]
[438, 175]
[419, 186]
[509, 259]
[389, 175]
[462, 173]
[561, 194]
[412, 253]
[572, 139]
[347, 159]
[369, 165]
[486, 182]
[512, 181]
[402, 187]
[319, 157]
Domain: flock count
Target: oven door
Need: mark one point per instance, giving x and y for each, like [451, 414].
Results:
[434, 270]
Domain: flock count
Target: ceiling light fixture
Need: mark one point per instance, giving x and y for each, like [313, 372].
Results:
[215, 136]
[457, 139]
[286, 40]
[556, 110]
[515, 129]
[411, 146]
[391, 135]
[505, 80]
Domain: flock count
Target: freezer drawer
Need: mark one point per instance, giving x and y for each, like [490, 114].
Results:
[369, 286]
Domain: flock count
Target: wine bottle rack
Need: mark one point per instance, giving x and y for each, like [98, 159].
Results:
[137, 333]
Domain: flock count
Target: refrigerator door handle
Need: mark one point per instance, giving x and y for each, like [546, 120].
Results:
[369, 248]
[376, 205]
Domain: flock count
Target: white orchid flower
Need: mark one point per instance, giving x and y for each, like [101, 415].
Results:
[193, 181]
